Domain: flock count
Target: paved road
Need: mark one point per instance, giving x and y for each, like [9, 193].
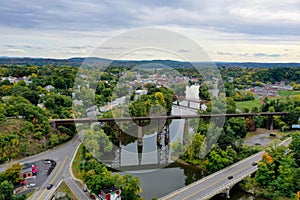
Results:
[63, 156]
[217, 180]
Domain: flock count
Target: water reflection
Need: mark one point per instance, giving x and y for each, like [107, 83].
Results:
[161, 182]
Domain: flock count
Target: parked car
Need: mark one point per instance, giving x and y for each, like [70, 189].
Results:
[272, 135]
[49, 186]
[47, 161]
[30, 185]
[84, 189]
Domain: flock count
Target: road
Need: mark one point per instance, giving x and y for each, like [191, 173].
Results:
[63, 155]
[201, 188]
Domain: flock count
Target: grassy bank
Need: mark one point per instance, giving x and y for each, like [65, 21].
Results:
[76, 162]
[63, 188]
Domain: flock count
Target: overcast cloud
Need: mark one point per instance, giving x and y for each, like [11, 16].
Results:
[228, 30]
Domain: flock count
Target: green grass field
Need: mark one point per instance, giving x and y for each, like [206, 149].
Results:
[288, 93]
[76, 163]
[65, 189]
[241, 105]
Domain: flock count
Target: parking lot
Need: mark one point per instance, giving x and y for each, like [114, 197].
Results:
[39, 179]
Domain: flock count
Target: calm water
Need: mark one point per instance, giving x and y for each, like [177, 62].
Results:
[159, 182]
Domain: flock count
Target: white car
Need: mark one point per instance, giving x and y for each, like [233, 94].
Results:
[31, 185]
[47, 161]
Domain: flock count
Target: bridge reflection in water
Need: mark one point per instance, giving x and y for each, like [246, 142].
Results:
[146, 152]
[153, 151]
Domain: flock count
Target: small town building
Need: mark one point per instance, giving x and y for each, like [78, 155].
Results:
[111, 193]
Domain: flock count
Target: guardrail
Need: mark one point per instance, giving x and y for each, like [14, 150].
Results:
[225, 187]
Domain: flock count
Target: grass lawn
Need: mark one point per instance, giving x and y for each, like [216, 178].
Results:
[241, 105]
[76, 163]
[29, 194]
[65, 189]
[288, 93]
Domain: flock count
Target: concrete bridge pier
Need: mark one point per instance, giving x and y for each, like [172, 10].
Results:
[226, 193]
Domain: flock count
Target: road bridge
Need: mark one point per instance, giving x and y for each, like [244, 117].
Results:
[218, 182]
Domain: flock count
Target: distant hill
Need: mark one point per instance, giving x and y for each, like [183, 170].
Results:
[94, 61]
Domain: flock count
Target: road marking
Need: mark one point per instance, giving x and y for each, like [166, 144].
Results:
[59, 170]
[52, 181]
[42, 194]
[235, 172]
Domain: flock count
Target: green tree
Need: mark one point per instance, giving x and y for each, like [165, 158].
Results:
[97, 142]
[6, 190]
[129, 185]
[13, 173]
[204, 93]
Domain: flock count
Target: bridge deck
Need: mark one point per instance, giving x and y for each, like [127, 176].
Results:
[91, 120]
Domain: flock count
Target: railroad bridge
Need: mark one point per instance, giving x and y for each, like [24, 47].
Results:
[163, 134]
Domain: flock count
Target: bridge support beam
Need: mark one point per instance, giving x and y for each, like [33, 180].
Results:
[52, 127]
[140, 136]
[167, 135]
[270, 122]
[120, 139]
[140, 154]
[158, 136]
[185, 131]
[227, 193]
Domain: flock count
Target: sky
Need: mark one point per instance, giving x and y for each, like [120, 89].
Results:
[226, 30]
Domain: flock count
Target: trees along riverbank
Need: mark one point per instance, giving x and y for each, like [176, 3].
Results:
[278, 173]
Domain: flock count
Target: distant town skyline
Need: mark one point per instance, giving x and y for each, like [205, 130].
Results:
[229, 31]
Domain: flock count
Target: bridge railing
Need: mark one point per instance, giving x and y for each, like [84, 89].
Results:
[210, 176]
[227, 186]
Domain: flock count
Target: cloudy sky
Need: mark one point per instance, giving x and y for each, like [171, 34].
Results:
[257, 30]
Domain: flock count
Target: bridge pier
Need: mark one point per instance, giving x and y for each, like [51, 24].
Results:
[120, 139]
[140, 154]
[227, 193]
[185, 131]
[167, 135]
[52, 127]
[270, 122]
[158, 136]
[140, 136]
